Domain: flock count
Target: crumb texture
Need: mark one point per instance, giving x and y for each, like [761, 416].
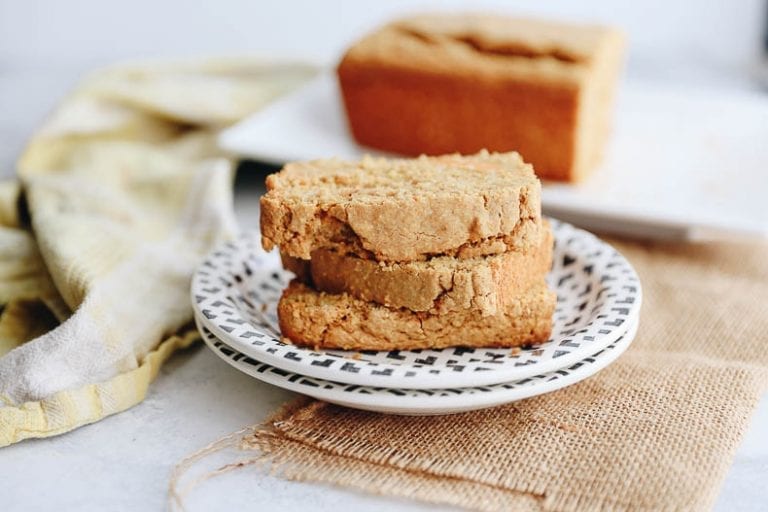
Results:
[404, 210]
[440, 285]
[340, 321]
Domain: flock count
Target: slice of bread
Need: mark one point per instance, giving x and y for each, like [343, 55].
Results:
[404, 210]
[439, 285]
[330, 321]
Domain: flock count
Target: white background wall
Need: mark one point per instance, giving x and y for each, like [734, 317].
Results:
[671, 39]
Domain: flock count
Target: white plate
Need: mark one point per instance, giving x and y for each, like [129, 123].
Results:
[236, 289]
[680, 163]
[421, 401]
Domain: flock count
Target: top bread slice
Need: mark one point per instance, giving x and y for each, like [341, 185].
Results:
[404, 209]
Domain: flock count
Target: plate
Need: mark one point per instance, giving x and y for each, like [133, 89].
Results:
[236, 289]
[422, 401]
[681, 163]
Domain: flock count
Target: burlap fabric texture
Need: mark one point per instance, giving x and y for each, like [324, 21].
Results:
[657, 430]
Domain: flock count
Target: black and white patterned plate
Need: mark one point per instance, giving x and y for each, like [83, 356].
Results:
[236, 289]
[422, 401]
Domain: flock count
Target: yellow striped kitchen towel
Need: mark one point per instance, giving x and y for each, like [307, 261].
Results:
[119, 195]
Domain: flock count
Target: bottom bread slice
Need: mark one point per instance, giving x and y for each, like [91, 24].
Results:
[340, 321]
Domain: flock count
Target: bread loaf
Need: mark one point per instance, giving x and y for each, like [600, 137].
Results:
[435, 84]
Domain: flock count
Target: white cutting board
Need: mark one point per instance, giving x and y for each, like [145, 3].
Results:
[681, 163]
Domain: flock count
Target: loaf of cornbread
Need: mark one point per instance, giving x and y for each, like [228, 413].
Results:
[404, 209]
[339, 321]
[440, 285]
[435, 84]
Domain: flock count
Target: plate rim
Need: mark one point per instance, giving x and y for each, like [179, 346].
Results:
[449, 404]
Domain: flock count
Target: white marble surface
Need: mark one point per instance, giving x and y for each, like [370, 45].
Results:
[124, 462]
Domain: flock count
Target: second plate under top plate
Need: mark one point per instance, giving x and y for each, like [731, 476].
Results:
[422, 401]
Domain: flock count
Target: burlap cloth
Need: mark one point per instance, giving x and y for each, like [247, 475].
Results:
[657, 430]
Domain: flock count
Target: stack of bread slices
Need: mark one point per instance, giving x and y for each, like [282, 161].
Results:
[418, 253]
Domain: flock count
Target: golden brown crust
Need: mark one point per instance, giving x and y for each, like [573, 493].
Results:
[328, 321]
[439, 285]
[462, 83]
[493, 35]
[405, 209]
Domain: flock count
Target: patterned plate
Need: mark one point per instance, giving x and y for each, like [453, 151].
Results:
[422, 401]
[235, 293]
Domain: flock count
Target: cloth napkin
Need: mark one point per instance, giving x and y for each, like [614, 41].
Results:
[119, 195]
[656, 430]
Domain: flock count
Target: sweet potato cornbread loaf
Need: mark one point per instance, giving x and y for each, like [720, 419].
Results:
[340, 321]
[404, 209]
[435, 84]
[440, 285]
